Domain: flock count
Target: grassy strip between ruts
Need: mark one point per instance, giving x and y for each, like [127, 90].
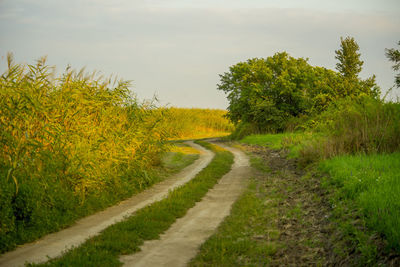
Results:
[148, 223]
[247, 237]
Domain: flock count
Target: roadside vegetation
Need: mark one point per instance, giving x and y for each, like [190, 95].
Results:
[280, 220]
[148, 223]
[73, 144]
[337, 127]
[371, 184]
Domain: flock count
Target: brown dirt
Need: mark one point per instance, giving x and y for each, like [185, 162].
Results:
[309, 235]
[182, 240]
[303, 212]
[55, 244]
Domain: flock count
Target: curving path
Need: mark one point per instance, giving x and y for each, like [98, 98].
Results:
[54, 244]
[182, 240]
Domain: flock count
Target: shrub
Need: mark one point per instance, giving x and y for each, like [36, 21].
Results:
[364, 125]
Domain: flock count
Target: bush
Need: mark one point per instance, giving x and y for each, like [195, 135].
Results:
[243, 129]
[364, 125]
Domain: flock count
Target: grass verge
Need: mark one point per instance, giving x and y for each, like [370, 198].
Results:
[364, 197]
[148, 223]
[247, 237]
[368, 187]
[293, 142]
[67, 208]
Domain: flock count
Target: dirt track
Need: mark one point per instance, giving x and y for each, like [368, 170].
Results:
[181, 241]
[54, 244]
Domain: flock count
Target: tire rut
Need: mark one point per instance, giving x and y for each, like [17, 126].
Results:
[182, 240]
[53, 245]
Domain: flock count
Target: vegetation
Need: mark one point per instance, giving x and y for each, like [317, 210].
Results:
[236, 242]
[196, 123]
[282, 92]
[352, 141]
[364, 186]
[372, 184]
[148, 223]
[75, 144]
[278, 221]
[363, 194]
[69, 146]
[349, 64]
[363, 126]
[394, 56]
[293, 142]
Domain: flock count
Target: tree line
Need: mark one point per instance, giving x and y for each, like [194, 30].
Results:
[281, 92]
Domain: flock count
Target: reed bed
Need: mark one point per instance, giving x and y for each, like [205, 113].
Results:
[69, 145]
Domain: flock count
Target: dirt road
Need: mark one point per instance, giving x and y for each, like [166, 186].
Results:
[181, 241]
[54, 244]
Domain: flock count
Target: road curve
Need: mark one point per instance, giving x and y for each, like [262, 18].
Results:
[181, 241]
[53, 245]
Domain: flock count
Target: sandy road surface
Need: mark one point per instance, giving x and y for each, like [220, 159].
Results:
[54, 244]
[181, 241]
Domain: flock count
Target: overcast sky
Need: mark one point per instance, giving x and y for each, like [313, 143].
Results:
[176, 48]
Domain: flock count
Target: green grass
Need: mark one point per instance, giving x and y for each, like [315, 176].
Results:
[148, 223]
[364, 194]
[176, 161]
[67, 208]
[70, 145]
[371, 183]
[273, 141]
[294, 142]
[259, 164]
[248, 236]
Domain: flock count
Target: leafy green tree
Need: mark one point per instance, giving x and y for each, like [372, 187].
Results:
[394, 56]
[349, 64]
[267, 92]
[273, 93]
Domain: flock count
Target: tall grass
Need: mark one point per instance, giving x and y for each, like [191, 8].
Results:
[363, 126]
[126, 237]
[196, 123]
[69, 145]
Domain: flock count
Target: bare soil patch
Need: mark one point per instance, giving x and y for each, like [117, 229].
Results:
[309, 230]
[303, 218]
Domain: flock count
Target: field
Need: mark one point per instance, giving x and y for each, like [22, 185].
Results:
[75, 144]
[317, 149]
[195, 123]
[126, 237]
